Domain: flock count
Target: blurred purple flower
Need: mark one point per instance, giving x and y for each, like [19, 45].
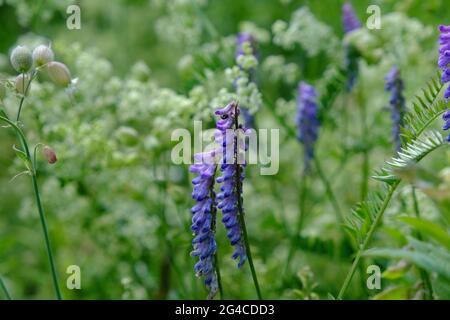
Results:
[307, 120]
[443, 62]
[232, 175]
[202, 219]
[350, 23]
[349, 19]
[394, 85]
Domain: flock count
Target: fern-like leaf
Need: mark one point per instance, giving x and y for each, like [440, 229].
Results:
[425, 110]
[412, 153]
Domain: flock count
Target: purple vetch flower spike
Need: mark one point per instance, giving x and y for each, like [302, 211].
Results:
[307, 120]
[349, 19]
[230, 195]
[203, 223]
[443, 63]
[350, 23]
[394, 85]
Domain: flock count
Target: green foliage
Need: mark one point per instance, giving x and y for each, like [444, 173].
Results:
[120, 209]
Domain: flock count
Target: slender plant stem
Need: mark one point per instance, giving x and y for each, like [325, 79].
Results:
[46, 235]
[240, 207]
[5, 290]
[249, 253]
[25, 91]
[367, 240]
[365, 152]
[300, 219]
[219, 278]
[423, 273]
[38, 203]
[213, 228]
[329, 191]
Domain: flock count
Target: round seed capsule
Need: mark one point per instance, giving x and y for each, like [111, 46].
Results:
[42, 55]
[21, 83]
[58, 73]
[21, 59]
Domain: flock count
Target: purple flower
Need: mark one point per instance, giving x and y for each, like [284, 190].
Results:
[244, 37]
[307, 120]
[446, 126]
[443, 62]
[202, 219]
[232, 175]
[394, 85]
[349, 19]
[350, 22]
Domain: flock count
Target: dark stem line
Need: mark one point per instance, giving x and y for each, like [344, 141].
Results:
[213, 229]
[25, 91]
[46, 236]
[329, 191]
[219, 278]
[300, 219]
[238, 191]
[367, 240]
[38, 204]
[5, 290]
[423, 273]
[365, 152]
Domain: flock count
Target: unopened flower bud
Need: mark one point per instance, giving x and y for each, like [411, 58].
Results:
[49, 155]
[21, 59]
[21, 83]
[58, 73]
[42, 55]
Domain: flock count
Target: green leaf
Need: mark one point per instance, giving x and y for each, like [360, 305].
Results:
[393, 293]
[22, 156]
[429, 228]
[430, 257]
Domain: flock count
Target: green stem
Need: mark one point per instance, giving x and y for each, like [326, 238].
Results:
[213, 228]
[367, 240]
[46, 236]
[365, 153]
[5, 290]
[219, 278]
[25, 91]
[300, 219]
[240, 208]
[249, 253]
[423, 273]
[329, 191]
[38, 204]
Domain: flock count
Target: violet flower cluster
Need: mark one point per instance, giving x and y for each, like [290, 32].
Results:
[307, 120]
[349, 19]
[228, 200]
[230, 195]
[394, 85]
[204, 242]
[350, 23]
[444, 62]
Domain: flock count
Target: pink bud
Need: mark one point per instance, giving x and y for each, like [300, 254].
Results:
[49, 155]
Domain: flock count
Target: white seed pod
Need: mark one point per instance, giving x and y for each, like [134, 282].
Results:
[58, 73]
[21, 83]
[42, 54]
[21, 59]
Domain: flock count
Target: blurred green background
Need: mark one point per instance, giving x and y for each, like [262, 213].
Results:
[116, 205]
